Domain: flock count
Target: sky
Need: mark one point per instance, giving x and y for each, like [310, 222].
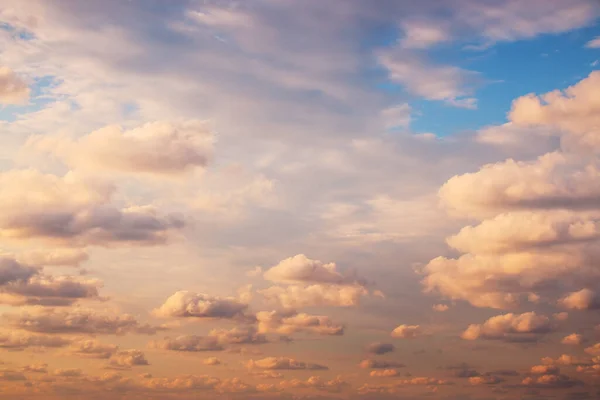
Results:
[299, 199]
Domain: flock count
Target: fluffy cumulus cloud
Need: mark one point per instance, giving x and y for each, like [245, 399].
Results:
[289, 322]
[275, 363]
[13, 89]
[77, 320]
[160, 148]
[74, 210]
[511, 328]
[407, 331]
[185, 304]
[308, 283]
[539, 218]
[300, 268]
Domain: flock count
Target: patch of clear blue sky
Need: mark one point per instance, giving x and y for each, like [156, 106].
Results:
[509, 70]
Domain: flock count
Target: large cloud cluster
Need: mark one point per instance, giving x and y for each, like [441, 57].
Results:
[539, 230]
[77, 321]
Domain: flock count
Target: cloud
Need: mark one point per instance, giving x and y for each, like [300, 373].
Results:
[380, 348]
[440, 307]
[10, 375]
[54, 257]
[421, 34]
[74, 211]
[125, 359]
[432, 82]
[585, 299]
[298, 296]
[68, 372]
[13, 90]
[539, 218]
[301, 269]
[384, 373]
[593, 44]
[158, 148]
[77, 320]
[12, 271]
[593, 350]
[510, 327]
[191, 343]
[289, 322]
[380, 364]
[49, 290]
[276, 363]
[248, 335]
[92, 349]
[185, 304]
[36, 368]
[18, 340]
[485, 380]
[551, 381]
[398, 116]
[316, 382]
[573, 111]
[573, 339]
[407, 331]
[211, 361]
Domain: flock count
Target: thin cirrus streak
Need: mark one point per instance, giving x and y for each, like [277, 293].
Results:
[299, 199]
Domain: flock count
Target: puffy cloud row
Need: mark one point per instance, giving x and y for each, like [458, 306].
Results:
[276, 363]
[77, 321]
